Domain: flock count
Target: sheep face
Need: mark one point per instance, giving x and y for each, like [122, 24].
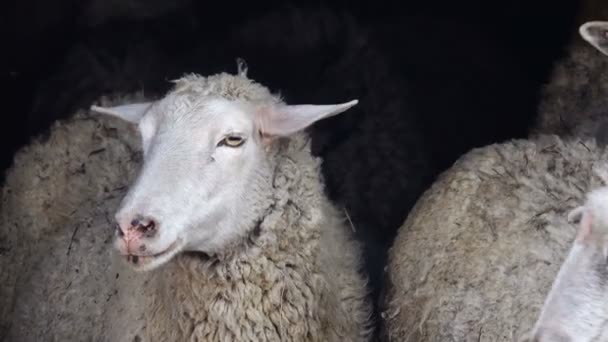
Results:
[205, 172]
[576, 309]
[596, 34]
[199, 160]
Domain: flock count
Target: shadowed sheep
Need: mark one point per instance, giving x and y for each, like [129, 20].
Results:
[575, 100]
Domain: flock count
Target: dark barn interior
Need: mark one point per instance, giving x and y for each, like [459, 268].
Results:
[434, 79]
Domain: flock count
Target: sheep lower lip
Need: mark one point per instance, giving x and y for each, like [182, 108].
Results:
[137, 258]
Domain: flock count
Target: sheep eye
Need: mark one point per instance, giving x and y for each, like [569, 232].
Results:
[232, 141]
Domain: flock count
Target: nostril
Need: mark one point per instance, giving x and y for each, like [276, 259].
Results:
[150, 227]
[142, 225]
[146, 226]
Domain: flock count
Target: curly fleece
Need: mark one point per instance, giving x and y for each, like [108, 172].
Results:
[477, 256]
[293, 277]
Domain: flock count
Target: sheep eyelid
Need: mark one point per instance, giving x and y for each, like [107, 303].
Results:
[224, 141]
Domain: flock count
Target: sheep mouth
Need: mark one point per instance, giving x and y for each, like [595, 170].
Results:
[143, 260]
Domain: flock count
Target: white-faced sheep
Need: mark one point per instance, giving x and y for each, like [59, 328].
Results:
[227, 221]
[375, 178]
[576, 308]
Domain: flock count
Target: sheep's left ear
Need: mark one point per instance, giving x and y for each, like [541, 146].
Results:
[584, 226]
[131, 112]
[596, 34]
[284, 120]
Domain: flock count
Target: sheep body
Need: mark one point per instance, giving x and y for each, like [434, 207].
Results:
[57, 273]
[294, 278]
[479, 252]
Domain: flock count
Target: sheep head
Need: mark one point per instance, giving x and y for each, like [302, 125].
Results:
[206, 165]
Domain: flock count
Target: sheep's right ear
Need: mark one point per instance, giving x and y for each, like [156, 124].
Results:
[131, 112]
[596, 34]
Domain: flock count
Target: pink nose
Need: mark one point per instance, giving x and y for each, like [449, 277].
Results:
[136, 230]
